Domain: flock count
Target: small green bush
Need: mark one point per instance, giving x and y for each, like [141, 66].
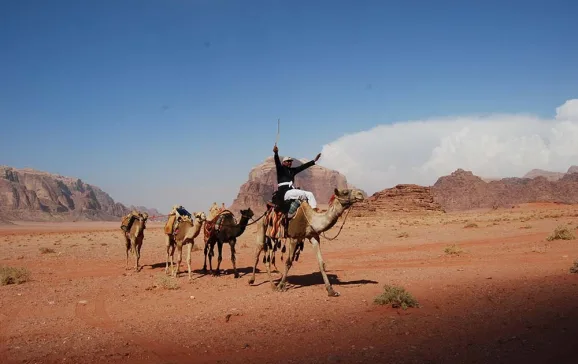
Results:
[397, 297]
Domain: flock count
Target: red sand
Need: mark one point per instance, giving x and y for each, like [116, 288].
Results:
[508, 298]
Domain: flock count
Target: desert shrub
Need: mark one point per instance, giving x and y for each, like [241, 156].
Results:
[44, 250]
[397, 297]
[167, 282]
[561, 233]
[11, 275]
[403, 235]
[453, 249]
[470, 225]
[574, 268]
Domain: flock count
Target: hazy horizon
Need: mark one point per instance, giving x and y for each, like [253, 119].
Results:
[173, 103]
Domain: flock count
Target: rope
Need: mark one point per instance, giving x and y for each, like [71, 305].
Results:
[323, 233]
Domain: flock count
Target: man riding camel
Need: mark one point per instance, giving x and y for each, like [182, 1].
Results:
[286, 178]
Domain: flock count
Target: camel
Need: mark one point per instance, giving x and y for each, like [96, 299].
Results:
[185, 234]
[227, 233]
[215, 210]
[134, 237]
[306, 224]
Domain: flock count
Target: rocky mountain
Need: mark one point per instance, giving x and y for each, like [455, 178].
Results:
[550, 176]
[462, 190]
[401, 198]
[150, 211]
[262, 183]
[28, 194]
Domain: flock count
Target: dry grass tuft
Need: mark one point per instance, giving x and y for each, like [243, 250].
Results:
[453, 249]
[561, 233]
[470, 225]
[166, 282]
[11, 275]
[45, 250]
[397, 296]
[403, 235]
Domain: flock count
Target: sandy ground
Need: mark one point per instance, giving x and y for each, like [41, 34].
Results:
[508, 297]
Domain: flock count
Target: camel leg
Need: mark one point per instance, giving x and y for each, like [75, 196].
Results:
[138, 247]
[206, 251]
[268, 267]
[282, 286]
[168, 244]
[220, 257]
[317, 247]
[211, 253]
[127, 245]
[256, 254]
[173, 247]
[233, 259]
[133, 248]
[190, 248]
[127, 250]
[180, 259]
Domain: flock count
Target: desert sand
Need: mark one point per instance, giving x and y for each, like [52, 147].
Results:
[507, 296]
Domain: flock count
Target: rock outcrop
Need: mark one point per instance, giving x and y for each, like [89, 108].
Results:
[151, 211]
[462, 190]
[263, 181]
[550, 176]
[28, 194]
[401, 198]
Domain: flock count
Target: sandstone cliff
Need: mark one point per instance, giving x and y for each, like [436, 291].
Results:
[550, 176]
[27, 194]
[263, 181]
[462, 190]
[401, 198]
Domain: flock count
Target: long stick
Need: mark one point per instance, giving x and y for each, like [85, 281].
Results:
[276, 140]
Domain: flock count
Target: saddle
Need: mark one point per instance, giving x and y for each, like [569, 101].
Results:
[127, 222]
[215, 224]
[279, 213]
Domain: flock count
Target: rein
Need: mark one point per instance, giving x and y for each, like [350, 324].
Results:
[344, 219]
[214, 220]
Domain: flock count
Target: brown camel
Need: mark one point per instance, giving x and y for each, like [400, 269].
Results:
[306, 224]
[185, 234]
[227, 232]
[134, 236]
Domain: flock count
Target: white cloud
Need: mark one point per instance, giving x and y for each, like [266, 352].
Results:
[495, 145]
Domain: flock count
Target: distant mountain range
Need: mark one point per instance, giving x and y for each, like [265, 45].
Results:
[28, 194]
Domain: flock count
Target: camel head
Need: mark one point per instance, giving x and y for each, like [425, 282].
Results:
[247, 213]
[143, 217]
[348, 197]
[200, 216]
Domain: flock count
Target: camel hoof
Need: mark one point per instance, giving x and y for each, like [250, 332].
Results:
[281, 288]
[237, 275]
[251, 281]
[333, 293]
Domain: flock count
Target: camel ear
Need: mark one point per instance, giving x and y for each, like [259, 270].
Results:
[336, 192]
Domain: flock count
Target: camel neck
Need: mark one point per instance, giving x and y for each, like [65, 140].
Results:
[325, 221]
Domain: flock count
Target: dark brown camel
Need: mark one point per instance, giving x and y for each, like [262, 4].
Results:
[227, 233]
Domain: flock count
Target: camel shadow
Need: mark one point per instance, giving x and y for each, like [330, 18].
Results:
[315, 278]
[226, 271]
[158, 265]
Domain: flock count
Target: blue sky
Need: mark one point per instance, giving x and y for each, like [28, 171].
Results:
[164, 102]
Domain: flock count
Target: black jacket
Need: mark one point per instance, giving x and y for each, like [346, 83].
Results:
[287, 174]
